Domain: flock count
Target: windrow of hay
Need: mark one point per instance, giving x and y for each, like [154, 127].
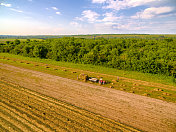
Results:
[31, 111]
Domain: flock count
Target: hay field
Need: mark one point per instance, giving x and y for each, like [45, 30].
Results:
[157, 89]
[24, 110]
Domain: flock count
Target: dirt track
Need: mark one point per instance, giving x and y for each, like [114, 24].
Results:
[141, 112]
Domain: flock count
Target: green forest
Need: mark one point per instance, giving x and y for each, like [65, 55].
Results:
[156, 56]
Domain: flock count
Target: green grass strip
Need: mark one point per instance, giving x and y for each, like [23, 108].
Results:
[163, 79]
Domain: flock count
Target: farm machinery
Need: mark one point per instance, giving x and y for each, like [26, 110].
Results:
[85, 78]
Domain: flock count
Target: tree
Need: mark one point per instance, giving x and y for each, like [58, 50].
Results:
[17, 42]
[40, 51]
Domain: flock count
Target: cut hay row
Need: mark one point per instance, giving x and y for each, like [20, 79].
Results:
[102, 122]
[16, 115]
[60, 114]
[11, 118]
[44, 110]
[26, 116]
[50, 110]
[95, 119]
[64, 110]
[44, 122]
[37, 112]
[8, 125]
[2, 129]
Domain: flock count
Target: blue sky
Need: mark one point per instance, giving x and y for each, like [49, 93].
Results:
[62, 17]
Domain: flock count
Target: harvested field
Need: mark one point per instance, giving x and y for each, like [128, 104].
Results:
[141, 112]
[25, 110]
[120, 83]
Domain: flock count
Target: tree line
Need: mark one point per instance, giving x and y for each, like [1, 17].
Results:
[157, 56]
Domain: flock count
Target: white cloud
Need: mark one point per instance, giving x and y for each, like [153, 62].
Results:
[91, 16]
[119, 27]
[168, 15]
[79, 19]
[20, 11]
[122, 4]
[110, 17]
[6, 5]
[111, 22]
[58, 13]
[98, 1]
[131, 26]
[54, 8]
[153, 12]
[134, 3]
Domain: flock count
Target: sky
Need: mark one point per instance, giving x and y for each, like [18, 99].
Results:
[67, 17]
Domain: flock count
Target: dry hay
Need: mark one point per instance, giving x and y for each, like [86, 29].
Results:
[65, 70]
[123, 85]
[36, 112]
[27, 63]
[74, 72]
[83, 77]
[111, 87]
[114, 80]
[36, 65]
[135, 84]
[47, 67]
[161, 97]
[167, 94]
[2, 78]
[137, 88]
[157, 89]
[122, 89]
[132, 92]
[146, 94]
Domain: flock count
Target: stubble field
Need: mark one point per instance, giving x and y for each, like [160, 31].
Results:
[25, 110]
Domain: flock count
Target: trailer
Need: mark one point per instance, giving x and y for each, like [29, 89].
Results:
[93, 79]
